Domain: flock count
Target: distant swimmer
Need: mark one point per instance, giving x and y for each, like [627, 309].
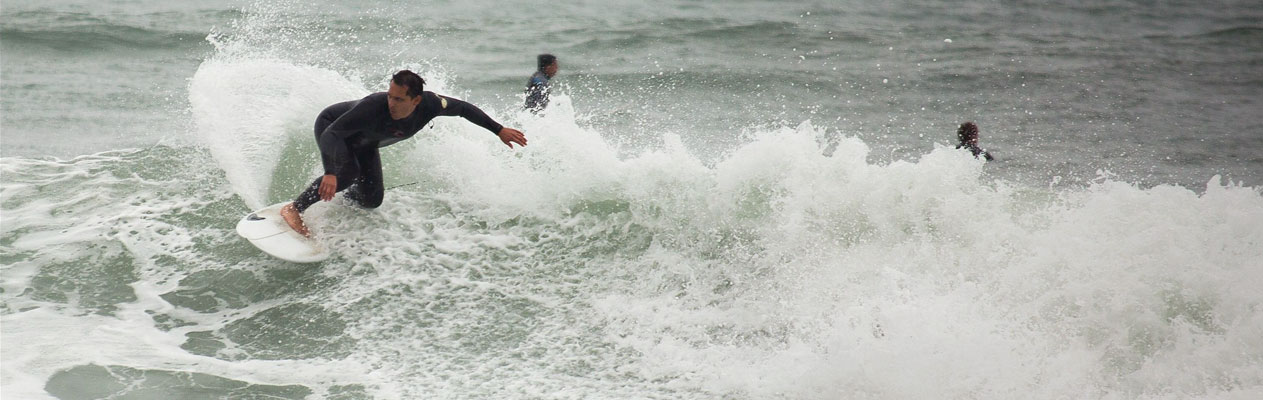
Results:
[349, 134]
[968, 136]
[537, 88]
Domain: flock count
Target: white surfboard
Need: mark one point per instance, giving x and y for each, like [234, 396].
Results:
[268, 231]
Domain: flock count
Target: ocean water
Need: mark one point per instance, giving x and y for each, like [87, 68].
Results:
[726, 200]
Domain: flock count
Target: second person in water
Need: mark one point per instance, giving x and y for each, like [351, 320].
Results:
[967, 134]
[537, 88]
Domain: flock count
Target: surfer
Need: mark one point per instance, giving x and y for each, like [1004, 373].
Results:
[349, 134]
[537, 88]
[968, 136]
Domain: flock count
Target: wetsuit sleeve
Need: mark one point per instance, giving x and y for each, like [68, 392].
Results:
[332, 141]
[469, 112]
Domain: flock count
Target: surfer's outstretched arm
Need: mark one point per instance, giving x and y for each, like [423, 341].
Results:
[471, 113]
[457, 107]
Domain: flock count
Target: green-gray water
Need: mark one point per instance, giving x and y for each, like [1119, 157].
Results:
[741, 200]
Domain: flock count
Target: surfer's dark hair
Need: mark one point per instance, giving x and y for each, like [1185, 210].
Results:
[410, 80]
[544, 60]
[967, 131]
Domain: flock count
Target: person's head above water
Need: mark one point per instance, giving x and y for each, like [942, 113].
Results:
[404, 94]
[547, 63]
[967, 133]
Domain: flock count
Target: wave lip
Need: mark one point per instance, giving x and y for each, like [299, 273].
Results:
[246, 111]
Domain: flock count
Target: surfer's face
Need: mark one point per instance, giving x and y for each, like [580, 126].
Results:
[401, 105]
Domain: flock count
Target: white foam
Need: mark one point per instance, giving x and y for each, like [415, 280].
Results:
[132, 341]
[903, 280]
[121, 221]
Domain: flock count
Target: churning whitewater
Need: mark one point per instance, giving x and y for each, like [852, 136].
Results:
[694, 248]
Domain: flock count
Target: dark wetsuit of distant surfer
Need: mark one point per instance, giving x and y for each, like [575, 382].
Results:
[538, 86]
[968, 136]
[350, 133]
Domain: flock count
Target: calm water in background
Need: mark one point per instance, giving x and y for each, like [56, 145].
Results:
[741, 200]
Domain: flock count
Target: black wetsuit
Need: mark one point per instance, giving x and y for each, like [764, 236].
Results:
[973, 148]
[537, 89]
[350, 133]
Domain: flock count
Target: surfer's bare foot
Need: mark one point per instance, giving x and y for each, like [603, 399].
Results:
[294, 219]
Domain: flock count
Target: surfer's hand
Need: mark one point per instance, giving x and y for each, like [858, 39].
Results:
[328, 187]
[510, 136]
